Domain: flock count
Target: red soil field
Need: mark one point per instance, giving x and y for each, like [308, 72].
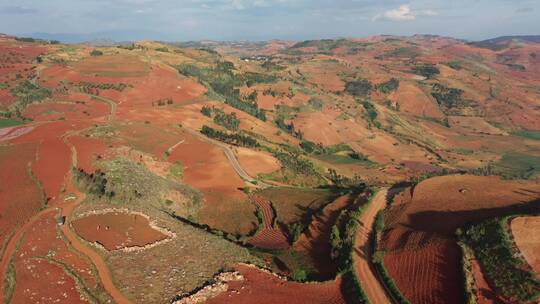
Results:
[421, 224]
[269, 237]
[89, 150]
[116, 230]
[525, 231]
[20, 196]
[256, 162]
[54, 156]
[427, 274]
[39, 281]
[39, 270]
[52, 166]
[207, 168]
[66, 110]
[265, 288]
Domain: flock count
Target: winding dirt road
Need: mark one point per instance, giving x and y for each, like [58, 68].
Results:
[365, 270]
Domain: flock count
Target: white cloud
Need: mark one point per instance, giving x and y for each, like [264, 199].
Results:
[403, 13]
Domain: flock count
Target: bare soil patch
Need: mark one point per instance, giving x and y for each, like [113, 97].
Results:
[262, 287]
[525, 231]
[117, 230]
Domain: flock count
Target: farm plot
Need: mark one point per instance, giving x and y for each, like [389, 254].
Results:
[421, 223]
[20, 195]
[117, 230]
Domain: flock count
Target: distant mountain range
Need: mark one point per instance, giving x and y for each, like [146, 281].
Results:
[508, 39]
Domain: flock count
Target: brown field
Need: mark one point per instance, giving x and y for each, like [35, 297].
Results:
[112, 66]
[427, 274]
[256, 162]
[89, 150]
[66, 110]
[422, 222]
[265, 288]
[412, 99]
[20, 196]
[524, 229]
[116, 230]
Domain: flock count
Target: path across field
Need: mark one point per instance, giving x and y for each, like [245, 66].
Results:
[364, 268]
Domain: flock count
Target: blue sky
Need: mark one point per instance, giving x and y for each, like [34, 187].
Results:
[182, 20]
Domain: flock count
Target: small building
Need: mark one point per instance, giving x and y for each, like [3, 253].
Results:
[61, 220]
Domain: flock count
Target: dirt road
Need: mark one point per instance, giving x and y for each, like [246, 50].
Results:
[363, 249]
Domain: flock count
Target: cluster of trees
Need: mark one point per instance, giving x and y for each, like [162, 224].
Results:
[104, 86]
[230, 138]
[354, 184]
[229, 121]
[503, 265]
[371, 113]
[445, 96]
[27, 93]
[93, 183]
[226, 120]
[342, 238]
[96, 53]
[223, 81]
[293, 161]
[162, 49]
[426, 70]
[389, 86]
[358, 88]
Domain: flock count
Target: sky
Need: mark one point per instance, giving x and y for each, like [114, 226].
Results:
[185, 20]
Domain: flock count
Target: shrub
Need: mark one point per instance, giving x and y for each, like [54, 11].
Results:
[426, 70]
[389, 86]
[206, 111]
[445, 96]
[233, 139]
[229, 121]
[96, 53]
[358, 88]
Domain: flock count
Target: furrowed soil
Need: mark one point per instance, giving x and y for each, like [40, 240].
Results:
[421, 251]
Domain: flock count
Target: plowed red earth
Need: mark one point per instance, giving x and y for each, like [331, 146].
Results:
[264, 288]
[269, 237]
[421, 253]
[418, 273]
[20, 196]
[117, 230]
